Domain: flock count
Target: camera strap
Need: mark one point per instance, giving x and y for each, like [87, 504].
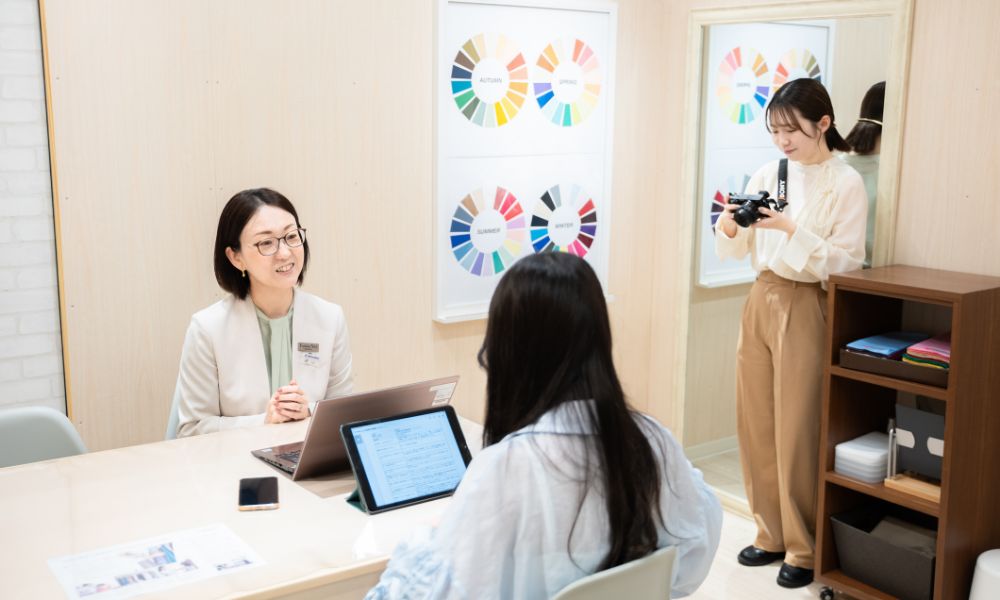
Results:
[782, 183]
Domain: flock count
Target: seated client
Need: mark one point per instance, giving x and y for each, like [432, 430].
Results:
[571, 480]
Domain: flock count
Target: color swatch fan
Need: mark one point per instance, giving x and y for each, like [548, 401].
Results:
[796, 64]
[487, 231]
[743, 85]
[567, 82]
[489, 80]
[564, 220]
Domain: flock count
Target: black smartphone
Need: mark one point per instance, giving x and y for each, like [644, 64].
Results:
[259, 493]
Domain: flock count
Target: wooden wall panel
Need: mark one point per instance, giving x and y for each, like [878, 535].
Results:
[136, 188]
[948, 211]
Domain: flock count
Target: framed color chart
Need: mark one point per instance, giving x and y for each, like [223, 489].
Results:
[523, 95]
[746, 64]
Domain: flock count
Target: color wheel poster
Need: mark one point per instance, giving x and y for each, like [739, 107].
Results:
[745, 65]
[524, 103]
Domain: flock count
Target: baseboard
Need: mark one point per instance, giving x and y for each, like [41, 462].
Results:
[735, 504]
[707, 449]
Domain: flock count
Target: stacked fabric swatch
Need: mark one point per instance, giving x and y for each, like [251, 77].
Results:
[887, 345]
[864, 458]
[934, 353]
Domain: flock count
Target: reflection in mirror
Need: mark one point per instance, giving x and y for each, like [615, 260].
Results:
[743, 65]
[865, 140]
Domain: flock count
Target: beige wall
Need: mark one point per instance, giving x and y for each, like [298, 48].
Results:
[167, 111]
[860, 59]
[948, 212]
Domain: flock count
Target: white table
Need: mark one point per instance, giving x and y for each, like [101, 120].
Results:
[315, 546]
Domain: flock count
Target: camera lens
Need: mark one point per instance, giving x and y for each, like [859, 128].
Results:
[743, 217]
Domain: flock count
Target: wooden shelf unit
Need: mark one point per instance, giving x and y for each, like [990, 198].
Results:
[873, 301]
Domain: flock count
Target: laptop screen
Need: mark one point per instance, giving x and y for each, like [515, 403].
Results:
[410, 457]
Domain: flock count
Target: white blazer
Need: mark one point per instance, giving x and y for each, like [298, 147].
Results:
[223, 380]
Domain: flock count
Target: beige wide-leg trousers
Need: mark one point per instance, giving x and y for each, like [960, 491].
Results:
[779, 371]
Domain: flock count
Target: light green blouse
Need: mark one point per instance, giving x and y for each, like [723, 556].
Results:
[867, 166]
[277, 337]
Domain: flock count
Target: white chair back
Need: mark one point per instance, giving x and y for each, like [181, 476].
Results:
[174, 420]
[33, 433]
[646, 578]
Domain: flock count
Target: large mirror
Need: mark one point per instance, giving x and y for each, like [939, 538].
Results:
[739, 57]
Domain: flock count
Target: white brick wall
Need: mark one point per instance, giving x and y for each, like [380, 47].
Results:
[30, 347]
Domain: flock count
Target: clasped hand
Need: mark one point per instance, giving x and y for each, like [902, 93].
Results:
[289, 403]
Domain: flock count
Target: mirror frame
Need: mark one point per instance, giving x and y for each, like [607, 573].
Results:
[900, 14]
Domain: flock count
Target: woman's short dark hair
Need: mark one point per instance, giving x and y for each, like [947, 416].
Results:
[548, 342]
[811, 99]
[863, 136]
[235, 216]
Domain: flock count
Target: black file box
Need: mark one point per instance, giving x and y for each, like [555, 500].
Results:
[901, 572]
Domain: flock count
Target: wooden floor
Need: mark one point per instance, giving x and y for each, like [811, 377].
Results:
[729, 580]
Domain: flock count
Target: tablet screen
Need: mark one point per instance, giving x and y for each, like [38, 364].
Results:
[408, 458]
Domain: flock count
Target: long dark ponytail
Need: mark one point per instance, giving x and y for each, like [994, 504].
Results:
[812, 101]
[548, 342]
[868, 129]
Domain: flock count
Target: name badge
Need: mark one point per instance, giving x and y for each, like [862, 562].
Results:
[307, 347]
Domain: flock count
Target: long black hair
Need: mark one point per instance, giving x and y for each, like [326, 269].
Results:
[811, 100]
[866, 132]
[548, 342]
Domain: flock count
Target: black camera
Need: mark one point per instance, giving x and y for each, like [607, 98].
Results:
[750, 205]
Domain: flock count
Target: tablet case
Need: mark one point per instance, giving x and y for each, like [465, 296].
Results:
[355, 500]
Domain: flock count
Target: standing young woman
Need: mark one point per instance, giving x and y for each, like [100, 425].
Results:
[570, 480]
[267, 351]
[779, 354]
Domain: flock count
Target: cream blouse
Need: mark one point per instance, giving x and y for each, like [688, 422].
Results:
[829, 204]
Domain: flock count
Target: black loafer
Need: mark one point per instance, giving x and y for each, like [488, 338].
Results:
[752, 556]
[794, 577]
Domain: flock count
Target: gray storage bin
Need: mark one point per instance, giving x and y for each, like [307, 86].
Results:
[901, 572]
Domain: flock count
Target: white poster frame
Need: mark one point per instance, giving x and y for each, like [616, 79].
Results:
[511, 156]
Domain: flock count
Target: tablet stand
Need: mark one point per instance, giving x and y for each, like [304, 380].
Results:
[355, 500]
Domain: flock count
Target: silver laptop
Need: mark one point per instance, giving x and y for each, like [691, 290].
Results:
[323, 451]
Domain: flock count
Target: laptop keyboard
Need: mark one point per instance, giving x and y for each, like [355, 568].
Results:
[292, 456]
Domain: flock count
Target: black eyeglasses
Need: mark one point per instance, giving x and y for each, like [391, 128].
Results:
[292, 239]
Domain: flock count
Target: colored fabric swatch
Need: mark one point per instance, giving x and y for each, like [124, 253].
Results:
[924, 362]
[887, 345]
[937, 348]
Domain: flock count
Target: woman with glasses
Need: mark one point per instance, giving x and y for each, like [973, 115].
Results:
[267, 352]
